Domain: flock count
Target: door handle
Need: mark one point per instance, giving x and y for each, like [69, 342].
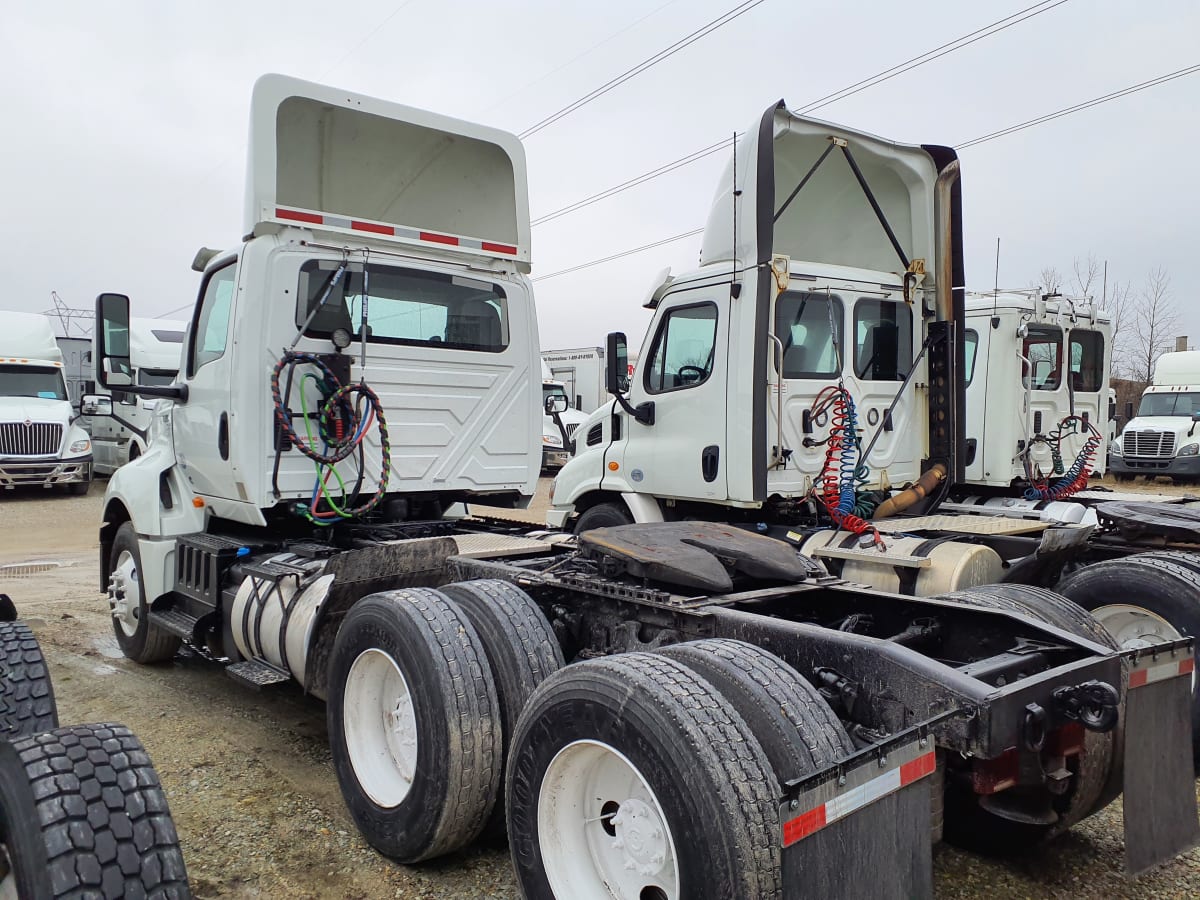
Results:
[709, 459]
[223, 436]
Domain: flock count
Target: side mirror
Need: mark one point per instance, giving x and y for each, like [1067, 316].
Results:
[95, 405]
[1128, 410]
[616, 364]
[113, 368]
[555, 404]
[1112, 410]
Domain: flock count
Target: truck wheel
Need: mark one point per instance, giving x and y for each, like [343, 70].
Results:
[797, 729]
[631, 777]
[139, 639]
[603, 515]
[82, 814]
[26, 695]
[1098, 781]
[414, 724]
[1122, 478]
[79, 488]
[1159, 600]
[521, 649]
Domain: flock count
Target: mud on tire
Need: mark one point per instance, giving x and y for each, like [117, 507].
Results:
[82, 814]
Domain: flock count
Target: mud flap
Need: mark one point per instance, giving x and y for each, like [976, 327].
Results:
[1160, 796]
[862, 829]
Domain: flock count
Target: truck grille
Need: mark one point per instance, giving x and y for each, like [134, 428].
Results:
[1154, 444]
[35, 439]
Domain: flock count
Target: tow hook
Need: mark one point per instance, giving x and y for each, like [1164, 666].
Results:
[1093, 704]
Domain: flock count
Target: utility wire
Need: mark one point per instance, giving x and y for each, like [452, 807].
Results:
[1087, 104]
[1066, 111]
[916, 62]
[723, 19]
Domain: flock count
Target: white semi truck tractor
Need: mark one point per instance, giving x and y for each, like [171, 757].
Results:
[1161, 439]
[668, 710]
[41, 443]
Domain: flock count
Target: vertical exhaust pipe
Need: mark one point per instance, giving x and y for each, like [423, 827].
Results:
[944, 293]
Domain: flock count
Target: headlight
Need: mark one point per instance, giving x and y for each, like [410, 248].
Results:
[551, 440]
[1115, 449]
[85, 445]
[1189, 449]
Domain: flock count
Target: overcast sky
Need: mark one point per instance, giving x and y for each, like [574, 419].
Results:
[124, 127]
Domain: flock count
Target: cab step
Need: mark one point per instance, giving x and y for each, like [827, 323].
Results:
[256, 674]
[175, 621]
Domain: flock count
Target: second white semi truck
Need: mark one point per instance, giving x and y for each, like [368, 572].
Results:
[1162, 438]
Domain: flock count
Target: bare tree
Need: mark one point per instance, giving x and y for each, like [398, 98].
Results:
[1086, 274]
[1121, 306]
[1049, 280]
[1155, 321]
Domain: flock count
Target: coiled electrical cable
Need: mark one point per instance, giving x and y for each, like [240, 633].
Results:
[1075, 478]
[842, 471]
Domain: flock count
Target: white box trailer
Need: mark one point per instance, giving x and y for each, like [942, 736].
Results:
[155, 346]
[77, 367]
[41, 444]
[581, 372]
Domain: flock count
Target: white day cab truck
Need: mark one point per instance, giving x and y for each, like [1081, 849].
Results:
[559, 422]
[1162, 438]
[41, 443]
[667, 710]
[155, 346]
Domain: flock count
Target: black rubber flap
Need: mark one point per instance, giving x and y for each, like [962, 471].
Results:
[1160, 788]
[879, 820]
[694, 554]
[1135, 520]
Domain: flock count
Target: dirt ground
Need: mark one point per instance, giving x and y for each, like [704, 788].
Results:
[250, 782]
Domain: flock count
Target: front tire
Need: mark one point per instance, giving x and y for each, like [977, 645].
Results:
[414, 724]
[603, 515]
[139, 638]
[631, 777]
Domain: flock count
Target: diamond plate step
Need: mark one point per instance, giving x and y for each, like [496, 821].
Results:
[174, 621]
[255, 674]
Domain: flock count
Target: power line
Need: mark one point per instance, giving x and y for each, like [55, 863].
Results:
[899, 69]
[1087, 104]
[723, 19]
[596, 262]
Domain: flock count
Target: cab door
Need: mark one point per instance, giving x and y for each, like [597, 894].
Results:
[684, 375]
[201, 425]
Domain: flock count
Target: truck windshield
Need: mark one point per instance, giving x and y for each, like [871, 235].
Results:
[1170, 404]
[32, 381]
[406, 306]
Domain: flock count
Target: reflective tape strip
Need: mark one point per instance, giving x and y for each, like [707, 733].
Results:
[1151, 673]
[858, 792]
[412, 234]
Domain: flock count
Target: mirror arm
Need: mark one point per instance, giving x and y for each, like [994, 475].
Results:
[173, 392]
[568, 444]
[643, 412]
[144, 434]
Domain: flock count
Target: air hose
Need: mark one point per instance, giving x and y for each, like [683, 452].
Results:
[842, 472]
[347, 414]
[1074, 479]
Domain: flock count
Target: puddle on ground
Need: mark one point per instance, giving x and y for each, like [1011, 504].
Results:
[108, 648]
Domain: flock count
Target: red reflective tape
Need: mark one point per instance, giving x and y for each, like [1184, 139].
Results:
[1187, 666]
[298, 216]
[498, 248]
[372, 227]
[803, 825]
[1139, 678]
[918, 768]
[439, 238]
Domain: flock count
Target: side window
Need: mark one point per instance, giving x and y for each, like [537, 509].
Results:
[802, 325]
[970, 350]
[684, 348]
[882, 339]
[1087, 360]
[211, 334]
[1042, 347]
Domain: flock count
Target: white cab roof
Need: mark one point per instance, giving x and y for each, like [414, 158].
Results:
[27, 336]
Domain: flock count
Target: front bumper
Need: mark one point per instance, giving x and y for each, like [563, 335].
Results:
[554, 458]
[1184, 466]
[20, 472]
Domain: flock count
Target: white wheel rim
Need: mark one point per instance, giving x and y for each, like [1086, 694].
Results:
[380, 727]
[125, 593]
[1135, 627]
[601, 830]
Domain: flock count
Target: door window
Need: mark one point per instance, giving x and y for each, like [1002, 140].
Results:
[1042, 347]
[882, 340]
[970, 351]
[802, 324]
[211, 335]
[684, 348]
[1087, 360]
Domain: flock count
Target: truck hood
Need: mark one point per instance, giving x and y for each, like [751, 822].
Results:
[34, 409]
[1179, 425]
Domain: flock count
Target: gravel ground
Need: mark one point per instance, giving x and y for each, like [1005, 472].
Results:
[252, 788]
